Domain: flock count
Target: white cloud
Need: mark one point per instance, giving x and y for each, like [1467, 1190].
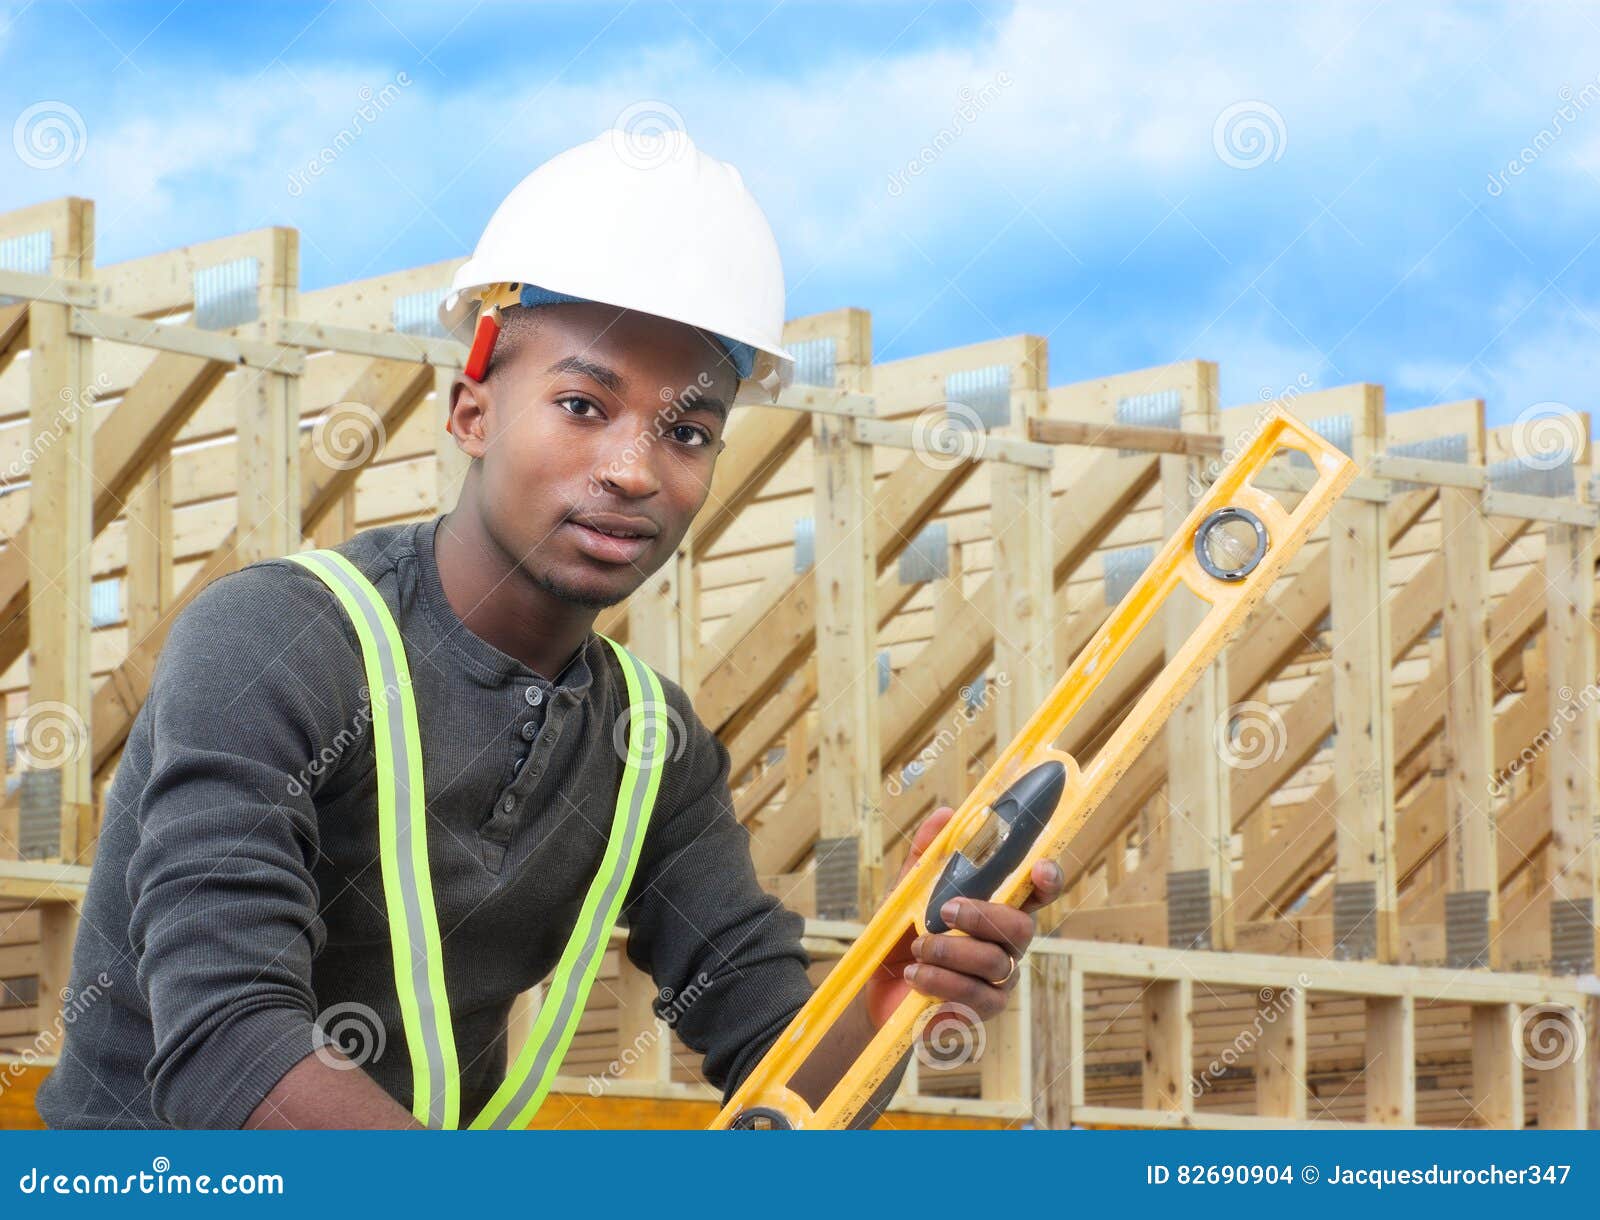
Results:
[1550, 352]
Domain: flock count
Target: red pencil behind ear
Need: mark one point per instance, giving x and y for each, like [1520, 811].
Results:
[482, 344]
[483, 339]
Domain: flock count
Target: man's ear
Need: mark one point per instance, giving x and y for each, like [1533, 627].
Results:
[470, 402]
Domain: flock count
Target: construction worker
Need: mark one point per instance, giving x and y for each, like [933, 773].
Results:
[376, 793]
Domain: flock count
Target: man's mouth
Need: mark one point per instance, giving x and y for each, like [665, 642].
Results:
[613, 539]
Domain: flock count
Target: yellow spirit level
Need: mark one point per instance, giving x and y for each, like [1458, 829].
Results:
[1229, 551]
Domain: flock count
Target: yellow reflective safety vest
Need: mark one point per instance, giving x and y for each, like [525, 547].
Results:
[408, 887]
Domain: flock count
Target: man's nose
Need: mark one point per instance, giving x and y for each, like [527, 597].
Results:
[627, 468]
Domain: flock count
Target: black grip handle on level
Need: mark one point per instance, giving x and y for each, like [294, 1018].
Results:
[1024, 809]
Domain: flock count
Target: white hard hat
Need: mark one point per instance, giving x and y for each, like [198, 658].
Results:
[644, 222]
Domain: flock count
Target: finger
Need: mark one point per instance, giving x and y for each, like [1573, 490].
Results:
[1049, 883]
[958, 988]
[924, 836]
[929, 830]
[980, 958]
[991, 921]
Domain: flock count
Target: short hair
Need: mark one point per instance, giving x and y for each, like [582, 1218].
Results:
[516, 326]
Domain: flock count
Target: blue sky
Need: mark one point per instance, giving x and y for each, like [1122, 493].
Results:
[1305, 194]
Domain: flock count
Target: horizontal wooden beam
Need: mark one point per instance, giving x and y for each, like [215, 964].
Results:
[43, 881]
[984, 447]
[818, 400]
[1540, 508]
[187, 341]
[1425, 470]
[379, 345]
[48, 288]
[1124, 436]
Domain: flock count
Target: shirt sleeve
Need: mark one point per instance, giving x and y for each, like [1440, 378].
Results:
[225, 918]
[725, 955]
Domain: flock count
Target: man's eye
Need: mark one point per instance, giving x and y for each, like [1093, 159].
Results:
[688, 434]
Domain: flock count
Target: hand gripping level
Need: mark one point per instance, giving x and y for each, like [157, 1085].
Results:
[1231, 548]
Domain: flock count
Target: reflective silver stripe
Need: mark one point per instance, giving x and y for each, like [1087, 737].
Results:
[599, 931]
[410, 900]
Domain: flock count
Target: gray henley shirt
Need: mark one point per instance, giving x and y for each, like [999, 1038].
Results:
[235, 910]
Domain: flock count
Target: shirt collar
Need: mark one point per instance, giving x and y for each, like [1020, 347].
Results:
[482, 656]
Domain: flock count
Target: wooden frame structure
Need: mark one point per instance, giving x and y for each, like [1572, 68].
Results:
[1387, 786]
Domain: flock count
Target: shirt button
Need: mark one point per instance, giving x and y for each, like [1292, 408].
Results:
[534, 695]
[530, 731]
[508, 804]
